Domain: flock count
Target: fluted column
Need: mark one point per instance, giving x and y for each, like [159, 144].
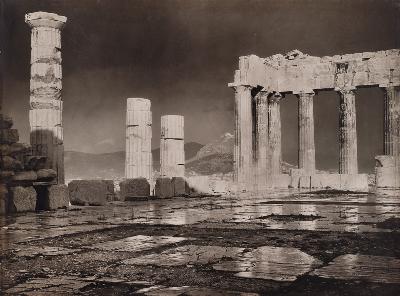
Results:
[348, 133]
[274, 134]
[172, 152]
[243, 152]
[45, 115]
[262, 138]
[392, 121]
[306, 133]
[138, 159]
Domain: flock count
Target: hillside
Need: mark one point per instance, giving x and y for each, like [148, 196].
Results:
[80, 165]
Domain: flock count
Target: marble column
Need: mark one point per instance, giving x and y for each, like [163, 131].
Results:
[348, 133]
[243, 151]
[138, 159]
[306, 133]
[262, 138]
[392, 121]
[172, 151]
[274, 134]
[45, 115]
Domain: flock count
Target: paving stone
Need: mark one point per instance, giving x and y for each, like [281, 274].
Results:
[189, 291]
[271, 263]
[378, 269]
[137, 243]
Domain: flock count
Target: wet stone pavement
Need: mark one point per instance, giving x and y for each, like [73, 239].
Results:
[277, 244]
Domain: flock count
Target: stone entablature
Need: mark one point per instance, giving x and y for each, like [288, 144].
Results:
[296, 72]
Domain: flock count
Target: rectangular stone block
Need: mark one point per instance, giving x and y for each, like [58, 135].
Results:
[164, 188]
[22, 199]
[280, 181]
[354, 182]
[52, 197]
[88, 192]
[180, 186]
[3, 199]
[134, 188]
[325, 181]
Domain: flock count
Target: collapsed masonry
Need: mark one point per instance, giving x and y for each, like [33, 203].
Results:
[25, 182]
[261, 83]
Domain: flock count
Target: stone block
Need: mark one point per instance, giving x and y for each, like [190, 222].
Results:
[22, 199]
[8, 136]
[15, 149]
[180, 186]
[10, 163]
[25, 176]
[58, 197]
[325, 181]
[354, 182]
[6, 175]
[199, 185]
[387, 172]
[88, 192]
[222, 187]
[3, 199]
[280, 181]
[134, 188]
[164, 188]
[6, 122]
[111, 196]
[35, 163]
[46, 175]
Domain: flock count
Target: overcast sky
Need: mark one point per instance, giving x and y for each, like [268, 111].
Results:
[182, 54]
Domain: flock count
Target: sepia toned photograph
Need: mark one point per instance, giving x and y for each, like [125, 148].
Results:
[200, 147]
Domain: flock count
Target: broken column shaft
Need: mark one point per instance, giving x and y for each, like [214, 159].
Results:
[348, 133]
[274, 134]
[306, 133]
[392, 121]
[45, 115]
[138, 160]
[262, 138]
[172, 153]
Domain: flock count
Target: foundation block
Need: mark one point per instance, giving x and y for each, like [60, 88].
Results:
[134, 188]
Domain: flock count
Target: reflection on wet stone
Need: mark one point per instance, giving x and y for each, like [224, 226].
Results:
[272, 263]
[137, 243]
[189, 291]
[377, 269]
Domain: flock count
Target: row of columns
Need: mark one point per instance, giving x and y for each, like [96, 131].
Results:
[256, 163]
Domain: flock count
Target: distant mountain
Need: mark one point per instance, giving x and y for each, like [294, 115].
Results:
[80, 165]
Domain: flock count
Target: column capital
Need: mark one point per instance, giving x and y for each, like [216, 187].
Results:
[45, 19]
[305, 94]
[275, 97]
[346, 90]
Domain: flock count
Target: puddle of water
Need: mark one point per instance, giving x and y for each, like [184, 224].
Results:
[190, 291]
[138, 243]
[379, 269]
[189, 254]
[271, 263]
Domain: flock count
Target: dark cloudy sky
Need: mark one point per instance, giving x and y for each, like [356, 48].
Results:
[181, 55]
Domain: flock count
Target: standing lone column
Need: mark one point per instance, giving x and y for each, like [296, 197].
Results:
[392, 121]
[172, 152]
[274, 134]
[306, 133]
[262, 138]
[138, 160]
[45, 115]
[348, 133]
[243, 153]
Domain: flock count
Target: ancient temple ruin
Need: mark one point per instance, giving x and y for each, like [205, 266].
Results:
[261, 83]
[45, 115]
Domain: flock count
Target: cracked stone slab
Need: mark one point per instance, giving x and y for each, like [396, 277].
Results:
[190, 291]
[271, 263]
[34, 251]
[378, 269]
[138, 243]
[189, 254]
